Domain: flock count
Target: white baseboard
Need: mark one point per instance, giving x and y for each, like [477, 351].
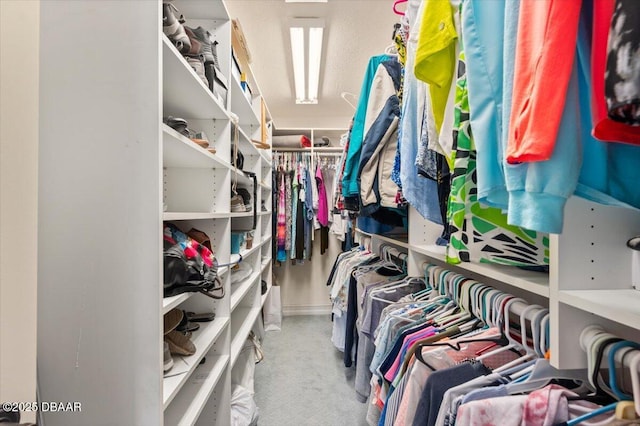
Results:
[292, 310]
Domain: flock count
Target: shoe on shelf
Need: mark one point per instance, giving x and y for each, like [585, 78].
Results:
[186, 326]
[203, 37]
[246, 198]
[196, 46]
[197, 64]
[167, 359]
[199, 138]
[237, 204]
[201, 317]
[177, 124]
[172, 319]
[173, 28]
[180, 344]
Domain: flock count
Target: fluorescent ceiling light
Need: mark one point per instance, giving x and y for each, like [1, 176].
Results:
[306, 1]
[315, 55]
[306, 57]
[297, 54]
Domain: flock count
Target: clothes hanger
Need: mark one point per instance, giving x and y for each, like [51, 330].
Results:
[505, 329]
[613, 382]
[395, 7]
[634, 366]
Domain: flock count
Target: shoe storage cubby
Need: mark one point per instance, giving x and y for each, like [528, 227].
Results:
[112, 171]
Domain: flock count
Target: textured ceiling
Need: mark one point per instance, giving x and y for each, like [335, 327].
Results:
[355, 30]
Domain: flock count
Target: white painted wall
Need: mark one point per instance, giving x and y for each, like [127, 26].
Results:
[19, 50]
[303, 287]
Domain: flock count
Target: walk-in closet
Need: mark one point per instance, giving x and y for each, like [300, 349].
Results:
[319, 212]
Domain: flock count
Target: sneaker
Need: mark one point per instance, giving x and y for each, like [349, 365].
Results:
[168, 360]
[237, 204]
[246, 198]
[172, 27]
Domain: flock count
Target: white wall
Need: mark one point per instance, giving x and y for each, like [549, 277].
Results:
[19, 50]
[303, 287]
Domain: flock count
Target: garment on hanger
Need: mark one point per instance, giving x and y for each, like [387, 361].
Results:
[480, 233]
[419, 193]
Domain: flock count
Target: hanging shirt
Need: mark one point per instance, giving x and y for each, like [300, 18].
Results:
[622, 79]
[421, 193]
[545, 51]
[436, 54]
[282, 223]
[605, 128]
[352, 161]
[323, 210]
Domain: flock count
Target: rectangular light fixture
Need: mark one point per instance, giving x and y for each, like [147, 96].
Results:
[297, 54]
[315, 55]
[306, 57]
[306, 1]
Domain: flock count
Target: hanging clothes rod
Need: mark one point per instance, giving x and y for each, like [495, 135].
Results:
[318, 150]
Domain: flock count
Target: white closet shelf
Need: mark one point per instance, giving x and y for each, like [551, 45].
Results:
[263, 297]
[241, 214]
[398, 240]
[168, 303]
[194, 215]
[621, 306]
[245, 253]
[250, 315]
[264, 186]
[265, 264]
[179, 151]
[534, 282]
[198, 9]
[241, 106]
[187, 406]
[266, 240]
[183, 367]
[265, 156]
[184, 93]
[267, 213]
[242, 176]
[242, 288]
[328, 149]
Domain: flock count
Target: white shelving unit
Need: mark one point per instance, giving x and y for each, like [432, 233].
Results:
[107, 183]
[589, 280]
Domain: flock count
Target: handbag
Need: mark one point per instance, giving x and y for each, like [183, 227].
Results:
[189, 266]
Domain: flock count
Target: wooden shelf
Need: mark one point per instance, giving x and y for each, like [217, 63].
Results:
[621, 306]
[183, 367]
[184, 94]
[187, 406]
